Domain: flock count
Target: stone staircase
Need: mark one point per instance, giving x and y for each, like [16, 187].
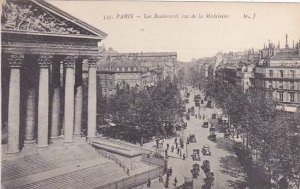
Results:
[87, 178]
[45, 160]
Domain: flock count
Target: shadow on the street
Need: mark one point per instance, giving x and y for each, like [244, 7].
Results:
[230, 166]
[225, 144]
[237, 184]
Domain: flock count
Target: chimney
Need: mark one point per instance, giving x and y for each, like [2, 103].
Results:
[299, 48]
[278, 46]
[286, 41]
[293, 44]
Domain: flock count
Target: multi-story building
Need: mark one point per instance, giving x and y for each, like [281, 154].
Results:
[133, 69]
[279, 72]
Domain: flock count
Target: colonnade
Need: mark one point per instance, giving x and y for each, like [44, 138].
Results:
[48, 110]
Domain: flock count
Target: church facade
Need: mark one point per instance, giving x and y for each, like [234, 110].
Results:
[43, 49]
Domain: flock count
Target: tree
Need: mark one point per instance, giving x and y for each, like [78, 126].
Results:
[270, 132]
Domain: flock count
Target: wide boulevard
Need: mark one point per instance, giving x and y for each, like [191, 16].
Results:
[228, 173]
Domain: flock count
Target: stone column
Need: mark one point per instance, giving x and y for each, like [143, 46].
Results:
[62, 85]
[55, 113]
[78, 111]
[92, 97]
[44, 62]
[69, 98]
[15, 62]
[78, 99]
[30, 117]
[55, 120]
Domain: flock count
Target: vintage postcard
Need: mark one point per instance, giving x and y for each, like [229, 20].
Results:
[150, 94]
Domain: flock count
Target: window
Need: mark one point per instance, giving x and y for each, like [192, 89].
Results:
[270, 73]
[292, 73]
[280, 73]
[269, 84]
[118, 69]
[280, 96]
[292, 97]
[292, 86]
[280, 85]
[270, 93]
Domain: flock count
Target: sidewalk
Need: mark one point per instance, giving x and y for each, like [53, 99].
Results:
[174, 160]
[155, 184]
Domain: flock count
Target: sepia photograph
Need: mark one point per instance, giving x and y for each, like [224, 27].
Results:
[99, 94]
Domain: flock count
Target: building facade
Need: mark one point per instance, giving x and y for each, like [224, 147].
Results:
[133, 70]
[41, 74]
[279, 72]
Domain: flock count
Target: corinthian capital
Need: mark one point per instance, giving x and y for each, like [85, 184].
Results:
[45, 60]
[15, 60]
[93, 61]
[70, 61]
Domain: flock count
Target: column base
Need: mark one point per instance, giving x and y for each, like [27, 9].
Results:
[29, 142]
[68, 143]
[42, 147]
[55, 137]
[13, 153]
[77, 134]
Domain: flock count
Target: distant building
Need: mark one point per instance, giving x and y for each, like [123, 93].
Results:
[279, 71]
[133, 69]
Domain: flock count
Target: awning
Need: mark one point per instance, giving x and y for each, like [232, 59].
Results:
[290, 109]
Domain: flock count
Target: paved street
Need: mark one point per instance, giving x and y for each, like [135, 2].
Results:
[223, 161]
[228, 172]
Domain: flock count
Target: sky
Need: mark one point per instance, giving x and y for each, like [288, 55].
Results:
[189, 31]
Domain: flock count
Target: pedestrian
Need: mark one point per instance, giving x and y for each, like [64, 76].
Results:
[160, 178]
[176, 140]
[116, 186]
[180, 153]
[170, 171]
[183, 156]
[178, 150]
[149, 183]
[176, 145]
[175, 181]
[167, 146]
[167, 182]
[172, 148]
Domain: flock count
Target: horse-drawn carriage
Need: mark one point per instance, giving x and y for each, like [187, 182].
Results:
[196, 155]
[195, 170]
[205, 166]
[212, 136]
[192, 139]
[206, 150]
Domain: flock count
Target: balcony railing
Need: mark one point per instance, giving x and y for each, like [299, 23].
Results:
[287, 76]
